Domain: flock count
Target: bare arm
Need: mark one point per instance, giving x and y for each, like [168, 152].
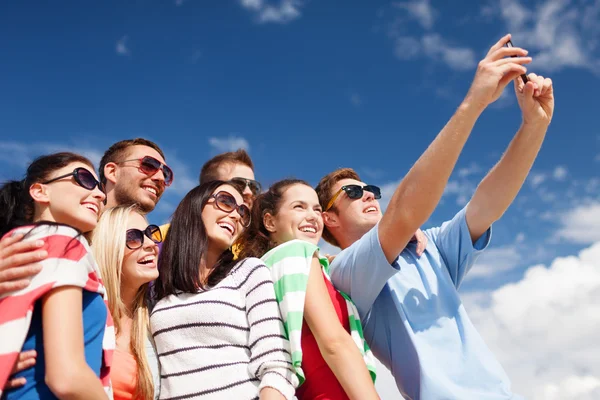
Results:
[421, 189]
[500, 186]
[268, 393]
[336, 345]
[67, 374]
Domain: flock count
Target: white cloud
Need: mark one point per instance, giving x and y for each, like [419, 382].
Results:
[560, 173]
[461, 189]
[231, 143]
[472, 169]
[581, 224]
[455, 57]
[183, 181]
[286, 11]
[558, 33]
[355, 99]
[22, 154]
[421, 10]
[494, 261]
[543, 329]
[536, 179]
[435, 47]
[121, 46]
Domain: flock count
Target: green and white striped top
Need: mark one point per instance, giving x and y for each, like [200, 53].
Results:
[290, 266]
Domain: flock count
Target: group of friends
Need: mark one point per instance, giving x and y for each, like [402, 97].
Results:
[232, 299]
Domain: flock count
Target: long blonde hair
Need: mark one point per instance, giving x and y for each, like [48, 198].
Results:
[108, 246]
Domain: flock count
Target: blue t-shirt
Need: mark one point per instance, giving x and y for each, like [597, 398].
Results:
[413, 317]
[94, 322]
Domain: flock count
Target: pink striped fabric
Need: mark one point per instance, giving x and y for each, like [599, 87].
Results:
[69, 263]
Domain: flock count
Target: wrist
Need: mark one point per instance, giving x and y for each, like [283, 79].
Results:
[471, 105]
[535, 123]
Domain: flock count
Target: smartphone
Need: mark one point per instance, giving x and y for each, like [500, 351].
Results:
[523, 76]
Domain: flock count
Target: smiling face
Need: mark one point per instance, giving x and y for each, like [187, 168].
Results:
[66, 202]
[355, 215]
[139, 265]
[222, 227]
[131, 186]
[299, 216]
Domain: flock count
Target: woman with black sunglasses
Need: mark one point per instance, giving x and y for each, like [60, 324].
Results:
[62, 313]
[216, 324]
[126, 249]
[329, 352]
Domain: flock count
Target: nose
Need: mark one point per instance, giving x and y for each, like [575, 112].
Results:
[150, 245]
[99, 194]
[159, 176]
[368, 196]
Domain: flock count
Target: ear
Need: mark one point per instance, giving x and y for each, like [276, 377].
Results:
[110, 172]
[330, 219]
[269, 222]
[40, 193]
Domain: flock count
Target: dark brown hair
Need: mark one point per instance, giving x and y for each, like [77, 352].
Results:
[210, 169]
[324, 190]
[256, 241]
[186, 244]
[16, 204]
[117, 151]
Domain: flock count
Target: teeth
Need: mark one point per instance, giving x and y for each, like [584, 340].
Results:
[147, 259]
[227, 226]
[308, 229]
[150, 189]
[92, 207]
[370, 209]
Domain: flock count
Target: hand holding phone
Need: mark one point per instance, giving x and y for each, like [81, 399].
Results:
[523, 76]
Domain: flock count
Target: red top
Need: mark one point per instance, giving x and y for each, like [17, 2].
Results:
[321, 383]
[123, 375]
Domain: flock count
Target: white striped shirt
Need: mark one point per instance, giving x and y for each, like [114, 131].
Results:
[227, 342]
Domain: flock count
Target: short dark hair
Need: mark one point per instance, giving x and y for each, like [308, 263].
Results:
[117, 151]
[256, 241]
[324, 191]
[186, 244]
[210, 169]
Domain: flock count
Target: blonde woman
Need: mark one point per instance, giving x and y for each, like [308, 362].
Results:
[126, 250]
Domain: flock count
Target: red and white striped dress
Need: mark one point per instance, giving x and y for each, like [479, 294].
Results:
[69, 263]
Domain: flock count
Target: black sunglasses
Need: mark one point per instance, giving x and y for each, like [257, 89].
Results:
[226, 202]
[254, 186]
[134, 238]
[83, 177]
[355, 192]
[150, 166]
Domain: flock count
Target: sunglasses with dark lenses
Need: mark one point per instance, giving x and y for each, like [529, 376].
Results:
[226, 202]
[135, 237]
[355, 192]
[150, 166]
[83, 177]
[254, 186]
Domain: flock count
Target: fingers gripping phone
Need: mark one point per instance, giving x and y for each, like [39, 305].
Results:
[523, 76]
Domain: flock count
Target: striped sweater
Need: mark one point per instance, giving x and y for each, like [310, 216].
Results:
[290, 266]
[69, 263]
[226, 342]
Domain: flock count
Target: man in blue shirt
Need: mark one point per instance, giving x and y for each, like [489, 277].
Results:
[412, 315]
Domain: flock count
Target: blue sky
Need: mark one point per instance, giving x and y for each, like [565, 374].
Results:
[309, 86]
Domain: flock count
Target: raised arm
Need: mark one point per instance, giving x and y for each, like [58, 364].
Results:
[500, 186]
[336, 345]
[67, 374]
[421, 189]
